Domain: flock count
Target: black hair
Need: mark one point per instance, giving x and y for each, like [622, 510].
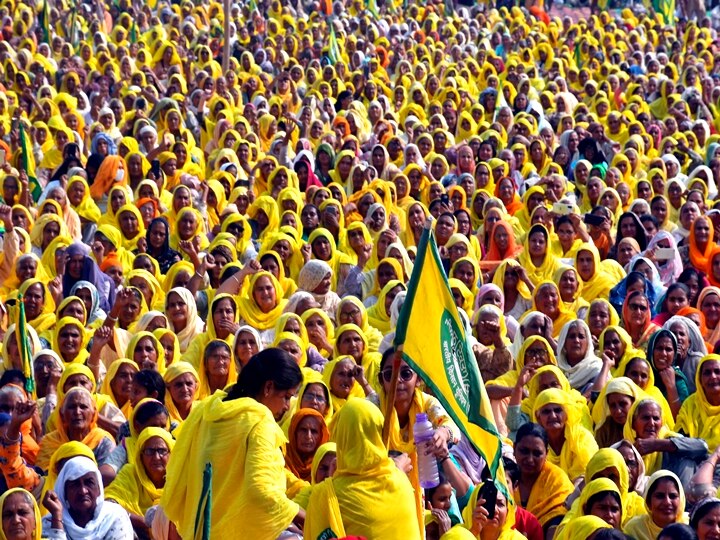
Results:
[677, 531]
[562, 220]
[387, 355]
[13, 376]
[213, 346]
[531, 430]
[652, 487]
[600, 496]
[429, 492]
[147, 410]
[273, 365]
[511, 469]
[635, 277]
[152, 382]
[217, 300]
[228, 272]
[649, 217]
[702, 509]
[611, 534]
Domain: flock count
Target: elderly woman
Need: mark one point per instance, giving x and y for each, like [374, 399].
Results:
[78, 422]
[139, 485]
[20, 516]
[78, 508]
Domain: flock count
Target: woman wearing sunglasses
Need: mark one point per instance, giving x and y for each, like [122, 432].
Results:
[409, 402]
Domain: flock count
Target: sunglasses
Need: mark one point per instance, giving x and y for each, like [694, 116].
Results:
[405, 374]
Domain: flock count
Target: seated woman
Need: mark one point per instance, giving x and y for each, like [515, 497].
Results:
[543, 487]
[221, 324]
[661, 355]
[601, 498]
[78, 508]
[665, 505]
[537, 259]
[262, 305]
[117, 384]
[349, 340]
[476, 518]
[660, 447]
[639, 371]
[374, 498]
[217, 370]
[409, 402]
[379, 313]
[568, 283]
[21, 515]
[139, 485]
[345, 380]
[246, 344]
[691, 346]
[611, 410]
[675, 298]
[636, 316]
[598, 277]
[635, 281]
[492, 348]
[700, 413]
[146, 351]
[570, 445]
[307, 432]
[352, 311]
[599, 316]
[534, 353]
[182, 314]
[547, 300]
[516, 287]
[576, 357]
[78, 422]
[181, 381]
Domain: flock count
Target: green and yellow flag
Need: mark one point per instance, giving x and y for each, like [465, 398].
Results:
[44, 21]
[23, 341]
[666, 10]
[27, 163]
[334, 54]
[432, 336]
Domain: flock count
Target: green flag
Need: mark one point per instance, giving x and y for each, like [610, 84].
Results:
[666, 9]
[133, 33]
[44, 21]
[204, 511]
[23, 342]
[334, 53]
[27, 163]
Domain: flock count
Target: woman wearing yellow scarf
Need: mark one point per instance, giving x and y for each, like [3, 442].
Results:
[543, 487]
[131, 225]
[669, 488]
[367, 496]
[699, 415]
[253, 478]
[600, 498]
[45, 230]
[596, 275]
[181, 380]
[117, 384]
[547, 300]
[475, 518]
[22, 515]
[217, 370]
[139, 485]
[379, 312]
[352, 311]
[537, 258]
[662, 448]
[324, 248]
[341, 378]
[146, 351]
[570, 445]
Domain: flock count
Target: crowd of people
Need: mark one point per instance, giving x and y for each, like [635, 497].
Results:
[204, 258]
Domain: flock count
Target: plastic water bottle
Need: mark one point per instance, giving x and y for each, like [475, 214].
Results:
[427, 464]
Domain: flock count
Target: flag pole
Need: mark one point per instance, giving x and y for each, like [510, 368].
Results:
[397, 358]
[390, 402]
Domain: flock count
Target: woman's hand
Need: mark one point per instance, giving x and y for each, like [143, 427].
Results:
[443, 519]
[53, 504]
[668, 377]
[479, 517]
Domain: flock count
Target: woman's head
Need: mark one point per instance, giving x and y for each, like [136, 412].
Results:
[531, 444]
[664, 498]
[705, 518]
[20, 515]
[271, 377]
[647, 419]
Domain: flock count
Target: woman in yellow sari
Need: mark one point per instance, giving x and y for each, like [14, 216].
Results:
[181, 380]
[253, 478]
[117, 384]
[351, 310]
[367, 496]
[547, 300]
[570, 446]
[664, 503]
[699, 415]
[475, 518]
[222, 322]
[537, 258]
[596, 278]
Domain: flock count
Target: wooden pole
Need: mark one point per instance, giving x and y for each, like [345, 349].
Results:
[226, 40]
[390, 402]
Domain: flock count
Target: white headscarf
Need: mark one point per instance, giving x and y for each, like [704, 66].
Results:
[586, 369]
[107, 514]
[194, 326]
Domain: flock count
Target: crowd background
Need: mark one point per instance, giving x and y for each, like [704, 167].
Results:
[204, 260]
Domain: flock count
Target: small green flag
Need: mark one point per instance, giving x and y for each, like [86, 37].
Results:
[44, 21]
[27, 163]
[334, 53]
[372, 7]
[133, 33]
[578, 56]
[204, 511]
[22, 338]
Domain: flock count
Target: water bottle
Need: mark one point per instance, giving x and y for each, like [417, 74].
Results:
[427, 464]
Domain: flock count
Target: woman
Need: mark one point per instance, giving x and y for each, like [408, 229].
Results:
[379, 313]
[253, 477]
[570, 445]
[263, 305]
[476, 518]
[78, 422]
[20, 516]
[181, 381]
[352, 311]
[611, 409]
[576, 357]
[246, 344]
[341, 375]
[158, 243]
[601, 498]
[661, 448]
[513, 280]
[691, 346]
[221, 324]
[661, 355]
[117, 384]
[183, 317]
[368, 495]
[637, 315]
[665, 504]
[705, 518]
[78, 508]
[699, 415]
[139, 485]
[306, 433]
[543, 487]
[217, 370]
[598, 277]
[537, 259]
[709, 304]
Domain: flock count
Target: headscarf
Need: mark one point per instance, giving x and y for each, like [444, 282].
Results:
[586, 369]
[601, 282]
[107, 515]
[550, 263]
[37, 532]
[106, 388]
[653, 461]
[194, 325]
[507, 532]
[251, 313]
[643, 527]
[293, 461]
[132, 488]
[378, 316]
[175, 370]
[697, 417]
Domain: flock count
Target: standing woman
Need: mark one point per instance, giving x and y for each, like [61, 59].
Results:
[249, 472]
